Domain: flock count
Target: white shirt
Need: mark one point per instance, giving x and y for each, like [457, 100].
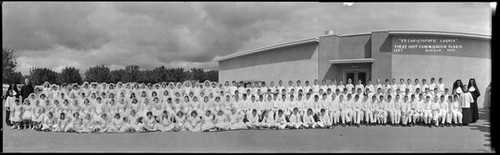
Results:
[432, 86]
[370, 87]
[316, 88]
[10, 102]
[394, 87]
[295, 118]
[360, 86]
[280, 88]
[332, 87]
[411, 87]
[402, 87]
[242, 90]
[441, 87]
[232, 89]
[340, 88]
[379, 86]
[325, 87]
[417, 86]
[424, 87]
[306, 89]
[349, 87]
[466, 99]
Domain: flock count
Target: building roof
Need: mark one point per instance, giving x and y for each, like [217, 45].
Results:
[458, 34]
[288, 44]
[312, 40]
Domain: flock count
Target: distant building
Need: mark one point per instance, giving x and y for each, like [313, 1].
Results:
[376, 55]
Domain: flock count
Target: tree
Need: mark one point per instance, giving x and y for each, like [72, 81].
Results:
[98, 74]
[159, 74]
[178, 74]
[9, 74]
[148, 76]
[117, 75]
[132, 74]
[15, 78]
[70, 75]
[212, 75]
[39, 75]
[197, 74]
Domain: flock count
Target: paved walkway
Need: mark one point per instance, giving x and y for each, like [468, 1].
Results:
[473, 138]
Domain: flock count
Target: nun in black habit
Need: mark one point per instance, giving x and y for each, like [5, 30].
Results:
[472, 88]
[457, 87]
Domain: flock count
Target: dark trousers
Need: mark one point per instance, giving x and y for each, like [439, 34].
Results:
[7, 117]
[475, 112]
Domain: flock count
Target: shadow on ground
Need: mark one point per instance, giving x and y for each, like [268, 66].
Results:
[483, 124]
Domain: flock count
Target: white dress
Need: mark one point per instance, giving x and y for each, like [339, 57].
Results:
[237, 122]
[27, 114]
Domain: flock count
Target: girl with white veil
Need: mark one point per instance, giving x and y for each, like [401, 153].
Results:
[227, 87]
[104, 88]
[179, 89]
[186, 88]
[164, 95]
[85, 88]
[206, 87]
[196, 90]
[236, 120]
[46, 87]
[94, 88]
[54, 93]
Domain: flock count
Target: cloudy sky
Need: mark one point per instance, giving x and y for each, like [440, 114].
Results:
[56, 35]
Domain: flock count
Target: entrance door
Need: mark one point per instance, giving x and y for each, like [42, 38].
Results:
[350, 75]
[361, 76]
[355, 76]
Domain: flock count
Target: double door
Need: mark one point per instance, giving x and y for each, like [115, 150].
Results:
[356, 75]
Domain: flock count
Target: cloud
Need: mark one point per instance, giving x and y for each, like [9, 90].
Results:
[85, 34]
[47, 24]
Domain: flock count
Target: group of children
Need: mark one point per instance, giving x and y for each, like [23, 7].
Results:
[133, 107]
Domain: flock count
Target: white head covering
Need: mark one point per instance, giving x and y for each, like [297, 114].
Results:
[187, 83]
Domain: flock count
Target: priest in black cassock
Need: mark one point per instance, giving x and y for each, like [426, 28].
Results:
[26, 90]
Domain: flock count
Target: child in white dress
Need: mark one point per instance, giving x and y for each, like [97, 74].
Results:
[236, 120]
[49, 122]
[207, 122]
[166, 122]
[221, 121]
[193, 123]
[27, 114]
